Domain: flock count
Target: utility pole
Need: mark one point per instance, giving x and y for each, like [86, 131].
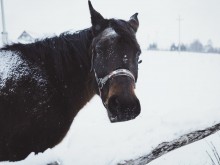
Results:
[4, 33]
[179, 20]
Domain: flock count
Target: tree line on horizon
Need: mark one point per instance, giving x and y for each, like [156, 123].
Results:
[195, 46]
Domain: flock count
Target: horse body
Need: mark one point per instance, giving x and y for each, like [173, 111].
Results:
[38, 102]
[44, 84]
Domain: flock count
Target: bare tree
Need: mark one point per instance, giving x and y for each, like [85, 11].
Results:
[196, 46]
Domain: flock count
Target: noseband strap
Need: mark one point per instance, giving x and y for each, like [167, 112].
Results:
[119, 72]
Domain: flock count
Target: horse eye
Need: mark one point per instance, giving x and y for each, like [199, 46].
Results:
[137, 56]
[140, 61]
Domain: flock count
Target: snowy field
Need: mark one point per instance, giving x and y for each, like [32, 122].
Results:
[179, 93]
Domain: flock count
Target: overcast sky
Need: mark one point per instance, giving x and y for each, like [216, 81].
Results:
[158, 18]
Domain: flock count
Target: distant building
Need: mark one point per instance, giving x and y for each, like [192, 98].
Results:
[30, 37]
[173, 47]
[26, 37]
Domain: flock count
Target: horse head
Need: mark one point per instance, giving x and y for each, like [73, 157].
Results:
[115, 57]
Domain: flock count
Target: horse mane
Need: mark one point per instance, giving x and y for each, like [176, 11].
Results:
[61, 56]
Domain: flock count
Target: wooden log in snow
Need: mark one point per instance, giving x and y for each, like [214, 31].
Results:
[166, 147]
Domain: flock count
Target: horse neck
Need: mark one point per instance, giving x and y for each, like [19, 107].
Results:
[78, 46]
[81, 82]
[74, 62]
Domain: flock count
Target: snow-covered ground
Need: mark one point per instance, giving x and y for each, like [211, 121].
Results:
[179, 93]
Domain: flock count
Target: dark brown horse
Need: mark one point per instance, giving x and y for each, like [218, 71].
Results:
[44, 84]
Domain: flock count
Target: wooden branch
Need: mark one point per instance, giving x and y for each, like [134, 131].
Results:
[166, 147]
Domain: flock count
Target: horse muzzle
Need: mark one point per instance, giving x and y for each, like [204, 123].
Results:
[121, 102]
[123, 109]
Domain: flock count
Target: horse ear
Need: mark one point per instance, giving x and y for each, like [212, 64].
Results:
[134, 22]
[96, 17]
